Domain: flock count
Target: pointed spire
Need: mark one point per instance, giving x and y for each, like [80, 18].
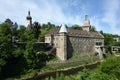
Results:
[29, 12]
[28, 16]
[63, 29]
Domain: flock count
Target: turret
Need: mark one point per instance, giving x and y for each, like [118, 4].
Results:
[86, 24]
[62, 49]
[63, 29]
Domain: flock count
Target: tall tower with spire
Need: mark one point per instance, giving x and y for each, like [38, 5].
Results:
[86, 24]
[28, 20]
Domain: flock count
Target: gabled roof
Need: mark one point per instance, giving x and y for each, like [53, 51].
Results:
[74, 32]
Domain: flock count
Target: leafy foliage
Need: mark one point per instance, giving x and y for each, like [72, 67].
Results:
[22, 34]
[45, 28]
[5, 43]
[75, 26]
[93, 29]
[111, 66]
[16, 59]
[108, 70]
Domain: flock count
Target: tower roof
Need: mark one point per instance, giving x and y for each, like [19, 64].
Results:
[87, 21]
[63, 29]
[28, 16]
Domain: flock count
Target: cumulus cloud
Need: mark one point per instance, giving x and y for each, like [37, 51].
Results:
[41, 10]
[64, 11]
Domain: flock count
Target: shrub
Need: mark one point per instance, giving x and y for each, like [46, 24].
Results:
[111, 66]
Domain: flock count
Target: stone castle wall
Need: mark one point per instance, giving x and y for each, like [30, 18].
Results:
[80, 46]
[68, 46]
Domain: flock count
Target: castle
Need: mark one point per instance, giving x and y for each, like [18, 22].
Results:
[71, 42]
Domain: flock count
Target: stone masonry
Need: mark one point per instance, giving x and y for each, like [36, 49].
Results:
[70, 42]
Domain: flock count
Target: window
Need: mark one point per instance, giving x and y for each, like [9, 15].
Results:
[98, 43]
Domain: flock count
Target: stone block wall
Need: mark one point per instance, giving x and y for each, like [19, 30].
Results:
[80, 45]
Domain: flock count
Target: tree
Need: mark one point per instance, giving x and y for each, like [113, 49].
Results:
[31, 49]
[9, 22]
[5, 43]
[22, 34]
[111, 66]
[14, 28]
[75, 26]
[30, 54]
[101, 32]
[45, 28]
[93, 29]
[36, 27]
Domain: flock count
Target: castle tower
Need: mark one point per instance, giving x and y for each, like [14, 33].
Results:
[62, 49]
[86, 24]
[28, 20]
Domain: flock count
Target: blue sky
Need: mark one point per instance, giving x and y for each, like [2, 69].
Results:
[103, 14]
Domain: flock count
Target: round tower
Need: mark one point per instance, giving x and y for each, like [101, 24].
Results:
[62, 49]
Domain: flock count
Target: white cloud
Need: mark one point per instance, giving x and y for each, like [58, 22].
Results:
[95, 21]
[42, 11]
[53, 11]
[111, 15]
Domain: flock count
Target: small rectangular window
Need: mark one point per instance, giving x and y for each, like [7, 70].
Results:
[98, 43]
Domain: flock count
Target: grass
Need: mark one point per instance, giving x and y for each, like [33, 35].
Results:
[81, 56]
[54, 59]
[66, 65]
[118, 53]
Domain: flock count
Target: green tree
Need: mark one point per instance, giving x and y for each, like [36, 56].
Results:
[45, 28]
[30, 52]
[75, 26]
[111, 66]
[9, 22]
[5, 43]
[93, 29]
[108, 39]
[22, 34]
[14, 28]
[36, 27]
[101, 32]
